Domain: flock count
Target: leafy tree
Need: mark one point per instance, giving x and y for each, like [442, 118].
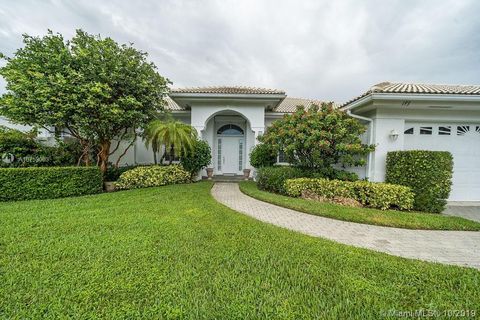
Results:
[318, 138]
[93, 88]
[263, 155]
[177, 137]
[198, 159]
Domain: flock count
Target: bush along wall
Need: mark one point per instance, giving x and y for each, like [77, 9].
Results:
[152, 176]
[48, 182]
[375, 195]
[428, 173]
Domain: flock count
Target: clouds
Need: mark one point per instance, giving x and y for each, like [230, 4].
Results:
[330, 50]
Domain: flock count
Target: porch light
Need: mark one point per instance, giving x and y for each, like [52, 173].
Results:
[393, 135]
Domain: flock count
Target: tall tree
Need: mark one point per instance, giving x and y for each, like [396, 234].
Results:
[177, 137]
[91, 87]
[318, 138]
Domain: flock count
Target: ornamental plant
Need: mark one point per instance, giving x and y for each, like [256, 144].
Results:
[152, 176]
[197, 159]
[263, 155]
[319, 138]
[428, 173]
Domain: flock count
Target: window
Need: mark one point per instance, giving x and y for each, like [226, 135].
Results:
[282, 157]
[444, 131]
[425, 130]
[230, 130]
[462, 130]
[408, 131]
[240, 154]
[219, 151]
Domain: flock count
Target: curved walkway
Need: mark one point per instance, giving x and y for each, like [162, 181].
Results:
[449, 247]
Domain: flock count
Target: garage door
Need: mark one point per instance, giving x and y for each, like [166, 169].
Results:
[463, 141]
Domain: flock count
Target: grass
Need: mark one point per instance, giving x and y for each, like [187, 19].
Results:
[174, 252]
[387, 218]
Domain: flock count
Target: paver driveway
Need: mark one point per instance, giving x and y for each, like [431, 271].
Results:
[449, 247]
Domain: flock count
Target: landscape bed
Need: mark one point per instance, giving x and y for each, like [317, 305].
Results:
[388, 218]
[174, 252]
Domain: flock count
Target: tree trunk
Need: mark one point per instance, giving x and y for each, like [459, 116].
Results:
[103, 155]
[155, 158]
[85, 157]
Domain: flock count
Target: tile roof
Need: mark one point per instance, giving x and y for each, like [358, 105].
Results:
[290, 104]
[413, 88]
[228, 90]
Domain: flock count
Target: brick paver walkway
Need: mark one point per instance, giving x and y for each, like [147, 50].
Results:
[449, 247]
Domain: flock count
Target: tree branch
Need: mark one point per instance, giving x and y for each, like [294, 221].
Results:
[126, 149]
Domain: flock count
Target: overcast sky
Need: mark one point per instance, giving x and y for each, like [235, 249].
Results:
[330, 50]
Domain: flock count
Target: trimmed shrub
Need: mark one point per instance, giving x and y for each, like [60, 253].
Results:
[273, 178]
[263, 155]
[198, 159]
[152, 176]
[48, 182]
[375, 195]
[428, 173]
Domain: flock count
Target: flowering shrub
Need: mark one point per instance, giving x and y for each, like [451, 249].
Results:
[152, 176]
[371, 194]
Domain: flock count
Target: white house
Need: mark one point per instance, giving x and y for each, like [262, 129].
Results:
[399, 116]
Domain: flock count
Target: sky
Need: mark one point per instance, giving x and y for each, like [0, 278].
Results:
[328, 50]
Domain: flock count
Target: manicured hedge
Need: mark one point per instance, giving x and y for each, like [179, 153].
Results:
[375, 195]
[273, 178]
[113, 173]
[152, 176]
[48, 182]
[428, 173]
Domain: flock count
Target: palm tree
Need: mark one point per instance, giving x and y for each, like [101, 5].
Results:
[177, 137]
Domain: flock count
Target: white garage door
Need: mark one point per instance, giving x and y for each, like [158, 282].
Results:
[463, 141]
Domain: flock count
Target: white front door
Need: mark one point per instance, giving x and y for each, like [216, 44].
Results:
[230, 155]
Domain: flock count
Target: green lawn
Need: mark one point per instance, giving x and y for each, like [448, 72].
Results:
[388, 218]
[173, 252]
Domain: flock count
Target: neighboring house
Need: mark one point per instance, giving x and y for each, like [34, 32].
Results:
[424, 117]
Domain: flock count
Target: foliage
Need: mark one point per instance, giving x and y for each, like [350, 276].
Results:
[92, 87]
[177, 137]
[387, 218]
[176, 253]
[16, 145]
[428, 173]
[263, 155]
[20, 149]
[319, 137]
[273, 178]
[375, 195]
[152, 176]
[113, 173]
[197, 159]
[45, 183]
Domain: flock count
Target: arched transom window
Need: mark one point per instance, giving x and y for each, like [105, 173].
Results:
[230, 130]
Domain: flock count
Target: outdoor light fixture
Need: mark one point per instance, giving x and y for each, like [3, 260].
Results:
[393, 135]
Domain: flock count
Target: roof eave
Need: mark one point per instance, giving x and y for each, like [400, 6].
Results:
[174, 95]
[409, 96]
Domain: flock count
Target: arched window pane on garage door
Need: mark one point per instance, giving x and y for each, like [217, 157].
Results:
[230, 130]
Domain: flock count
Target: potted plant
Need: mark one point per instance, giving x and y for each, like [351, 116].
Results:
[246, 173]
[209, 173]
